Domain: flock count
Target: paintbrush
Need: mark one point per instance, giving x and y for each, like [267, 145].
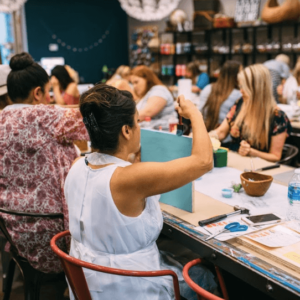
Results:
[180, 127]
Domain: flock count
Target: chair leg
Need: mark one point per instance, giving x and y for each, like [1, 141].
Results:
[32, 287]
[7, 282]
[222, 283]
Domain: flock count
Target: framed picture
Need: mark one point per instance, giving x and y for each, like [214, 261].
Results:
[246, 10]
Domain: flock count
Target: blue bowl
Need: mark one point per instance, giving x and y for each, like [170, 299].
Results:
[227, 193]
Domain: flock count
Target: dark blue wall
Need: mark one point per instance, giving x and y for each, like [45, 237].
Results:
[80, 24]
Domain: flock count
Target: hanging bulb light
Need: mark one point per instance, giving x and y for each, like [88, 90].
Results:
[149, 10]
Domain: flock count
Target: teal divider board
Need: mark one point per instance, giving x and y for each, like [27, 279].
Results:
[159, 146]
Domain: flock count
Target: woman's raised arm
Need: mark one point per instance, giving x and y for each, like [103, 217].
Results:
[142, 180]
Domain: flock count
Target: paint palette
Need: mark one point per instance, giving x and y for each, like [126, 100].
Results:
[159, 146]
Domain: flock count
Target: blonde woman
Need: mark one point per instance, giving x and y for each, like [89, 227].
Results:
[123, 72]
[257, 127]
[121, 80]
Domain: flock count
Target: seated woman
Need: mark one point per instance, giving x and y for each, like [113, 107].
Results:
[73, 74]
[290, 90]
[105, 191]
[156, 101]
[257, 127]
[121, 80]
[64, 88]
[199, 79]
[36, 154]
[122, 72]
[4, 99]
[279, 70]
[217, 99]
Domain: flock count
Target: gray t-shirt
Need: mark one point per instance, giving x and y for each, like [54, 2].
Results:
[225, 107]
[162, 118]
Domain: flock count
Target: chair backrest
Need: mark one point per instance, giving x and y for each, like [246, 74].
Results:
[289, 153]
[202, 293]
[24, 214]
[294, 139]
[73, 270]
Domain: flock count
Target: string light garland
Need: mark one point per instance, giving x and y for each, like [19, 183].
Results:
[81, 49]
[97, 43]
[149, 10]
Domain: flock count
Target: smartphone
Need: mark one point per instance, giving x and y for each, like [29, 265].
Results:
[265, 219]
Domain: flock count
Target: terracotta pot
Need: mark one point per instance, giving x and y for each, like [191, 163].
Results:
[255, 184]
[273, 13]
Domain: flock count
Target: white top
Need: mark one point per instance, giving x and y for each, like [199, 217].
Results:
[104, 236]
[162, 118]
[290, 88]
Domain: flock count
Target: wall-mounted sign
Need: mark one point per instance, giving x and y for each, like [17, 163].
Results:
[53, 47]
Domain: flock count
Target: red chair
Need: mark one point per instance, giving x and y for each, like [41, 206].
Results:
[73, 269]
[201, 293]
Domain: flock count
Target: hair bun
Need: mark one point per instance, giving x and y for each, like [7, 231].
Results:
[21, 61]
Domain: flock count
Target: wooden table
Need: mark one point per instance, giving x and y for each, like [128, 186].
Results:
[296, 125]
[278, 281]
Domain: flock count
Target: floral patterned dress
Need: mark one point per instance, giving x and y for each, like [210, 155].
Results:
[36, 153]
[279, 123]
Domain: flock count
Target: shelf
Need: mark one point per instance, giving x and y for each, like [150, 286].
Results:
[250, 53]
[203, 53]
[280, 52]
[219, 54]
[252, 26]
[181, 54]
[176, 32]
[202, 31]
[227, 36]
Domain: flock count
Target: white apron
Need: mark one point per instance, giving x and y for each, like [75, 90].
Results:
[103, 236]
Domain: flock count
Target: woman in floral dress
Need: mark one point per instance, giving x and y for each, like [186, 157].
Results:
[36, 153]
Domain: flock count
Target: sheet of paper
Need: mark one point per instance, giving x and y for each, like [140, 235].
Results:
[218, 226]
[212, 183]
[284, 177]
[278, 236]
[294, 256]
[294, 225]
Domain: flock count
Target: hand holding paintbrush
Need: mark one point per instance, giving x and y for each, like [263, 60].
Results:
[180, 100]
[180, 127]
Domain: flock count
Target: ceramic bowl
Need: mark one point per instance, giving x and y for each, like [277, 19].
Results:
[255, 184]
[227, 193]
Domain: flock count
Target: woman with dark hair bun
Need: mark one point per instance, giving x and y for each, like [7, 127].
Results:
[64, 88]
[36, 153]
[114, 212]
[27, 81]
